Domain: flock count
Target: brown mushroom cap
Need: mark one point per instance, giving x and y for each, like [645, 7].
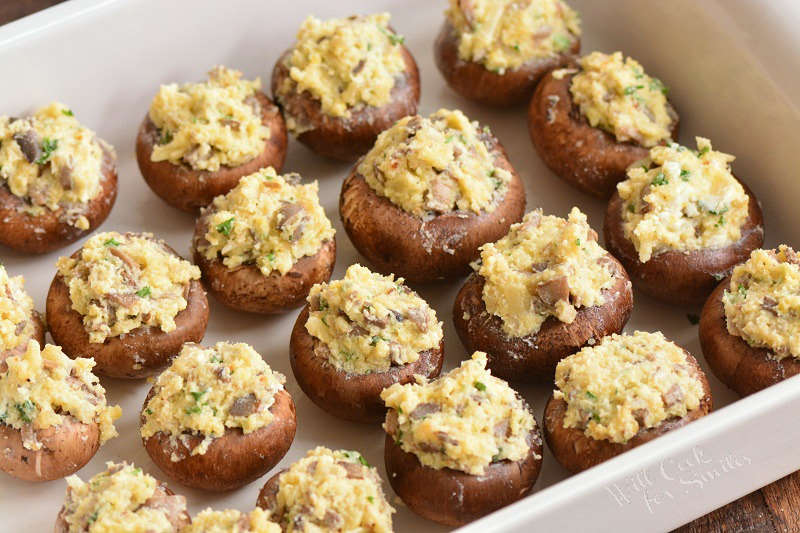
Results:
[231, 461]
[117, 356]
[454, 498]
[395, 241]
[577, 452]
[179, 521]
[353, 397]
[347, 138]
[245, 288]
[743, 368]
[676, 277]
[474, 81]
[48, 231]
[189, 189]
[66, 448]
[267, 496]
[534, 357]
[139, 353]
[589, 158]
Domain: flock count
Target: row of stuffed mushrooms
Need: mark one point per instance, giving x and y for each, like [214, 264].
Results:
[362, 310]
[432, 198]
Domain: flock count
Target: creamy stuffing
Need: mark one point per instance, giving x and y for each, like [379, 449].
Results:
[625, 384]
[616, 95]
[331, 491]
[120, 282]
[16, 313]
[122, 498]
[211, 124]
[42, 386]
[681, 199]
[367, 322]
[464, 420]
[345, 63]
[545, 266]
[437, 164]
[52, 162]
[267, 220]
[762, 302]
[505, 34]
[232, 521]
[207, 390]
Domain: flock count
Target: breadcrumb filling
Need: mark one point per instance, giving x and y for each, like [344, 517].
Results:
[464, 420]
[546, 266]
[682, 199]
[762, 302]
[626, 383]
[207, 390]
[267, 220]
[505, 34]
[436, 164]
[368, 322]
[211, 124]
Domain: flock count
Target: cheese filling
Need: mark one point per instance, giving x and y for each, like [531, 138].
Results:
[332, 491]
[232, 521]
[626, 383]
[545, 266]
[16, 312]
[464, 420]
[505, 34]
[207, 390]
[681, 199]
[762, 303]
[368, 322]
[436, 164]
[344, 63]
[211, 124]
[123, 498]
[42, 386]
[617, 96]
[51, 161]
[121, 282]
[268, 221]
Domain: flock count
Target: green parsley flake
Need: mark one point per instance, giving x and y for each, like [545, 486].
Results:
[226, 227]
[144, 292]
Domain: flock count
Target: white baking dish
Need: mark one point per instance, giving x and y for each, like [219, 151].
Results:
[733, 68]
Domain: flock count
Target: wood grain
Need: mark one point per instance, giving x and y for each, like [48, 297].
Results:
[773, 509]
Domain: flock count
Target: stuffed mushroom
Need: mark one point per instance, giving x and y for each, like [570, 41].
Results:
[750, 325]
[621, 393]
[128, 301]
[19, 321]
[58, 180]
[121, 498]
[359, 335]
[343, 82]
[461, 446]
[218, 417]
[430, 192]
[495, 52]
[232, 521]
[53, 413]
[541, 293]
[591, 121]
[197, 140]
[328, 490]
[681, 222]
[264, 244]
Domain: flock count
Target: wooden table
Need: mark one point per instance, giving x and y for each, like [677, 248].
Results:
[773, 509]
